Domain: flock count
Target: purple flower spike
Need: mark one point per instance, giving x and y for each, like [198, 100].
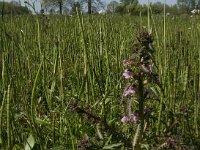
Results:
[129, 91]
[127, 74]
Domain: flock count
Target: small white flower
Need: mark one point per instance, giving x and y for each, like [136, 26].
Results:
[193, 11]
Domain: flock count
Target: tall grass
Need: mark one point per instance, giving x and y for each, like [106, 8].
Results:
[48, 62]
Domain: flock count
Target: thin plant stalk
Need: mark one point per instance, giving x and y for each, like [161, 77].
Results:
[9, 144]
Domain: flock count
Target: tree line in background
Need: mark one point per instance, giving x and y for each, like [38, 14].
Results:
[70, 6]
[131, 7]
[13, 8]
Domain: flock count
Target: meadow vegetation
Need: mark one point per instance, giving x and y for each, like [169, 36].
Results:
[62, 83]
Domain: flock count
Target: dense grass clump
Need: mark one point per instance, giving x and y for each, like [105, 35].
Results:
[61, 83]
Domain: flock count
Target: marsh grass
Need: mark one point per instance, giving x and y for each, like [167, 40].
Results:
[46, 63]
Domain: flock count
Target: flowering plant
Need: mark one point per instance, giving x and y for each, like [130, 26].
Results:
[139, 73]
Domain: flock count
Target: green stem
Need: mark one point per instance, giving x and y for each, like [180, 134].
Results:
[1, 116]
[8, 120]
[141, 112]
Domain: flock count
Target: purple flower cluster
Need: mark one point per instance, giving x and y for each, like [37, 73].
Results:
[131, 118]
[129, 91]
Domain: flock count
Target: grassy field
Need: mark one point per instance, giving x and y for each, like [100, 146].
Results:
[61, 83]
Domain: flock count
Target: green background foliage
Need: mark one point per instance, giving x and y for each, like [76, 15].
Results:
[47, 62]
[13, 8]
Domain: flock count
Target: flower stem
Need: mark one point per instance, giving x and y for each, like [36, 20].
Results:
[141, 110]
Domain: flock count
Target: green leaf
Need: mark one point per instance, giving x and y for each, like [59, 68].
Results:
[30, 142]
[58, 148]
[112, 146]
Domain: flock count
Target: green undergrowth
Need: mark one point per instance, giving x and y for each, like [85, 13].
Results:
[61, 82]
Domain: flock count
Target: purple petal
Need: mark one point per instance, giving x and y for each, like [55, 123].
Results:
[129, 91]
[127, 74]
[125, 119]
